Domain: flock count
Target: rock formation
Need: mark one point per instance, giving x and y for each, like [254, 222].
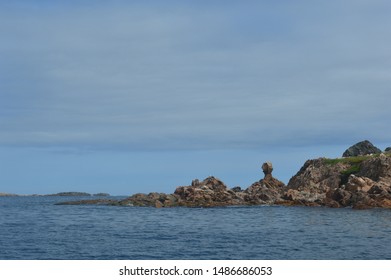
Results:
[267, 169]
[361, 179]
[266, 191]
[212, 192]
[358, 182]
[361, 149]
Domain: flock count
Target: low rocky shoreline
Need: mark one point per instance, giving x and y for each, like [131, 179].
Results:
[361, 179]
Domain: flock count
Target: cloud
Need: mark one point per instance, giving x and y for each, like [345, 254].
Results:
[195, 76]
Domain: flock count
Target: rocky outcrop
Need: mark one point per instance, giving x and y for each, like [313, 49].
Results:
[388, 150]
[361, 149]
[358, 182]
[212, 192]
[207, 193]
[269, 190]
[153, 199]
[361, 181]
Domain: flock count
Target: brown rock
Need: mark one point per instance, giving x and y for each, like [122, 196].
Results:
[357, 183]
[267, 169]
[342, 196]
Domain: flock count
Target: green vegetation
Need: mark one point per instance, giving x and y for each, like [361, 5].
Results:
[355, 168]
[353, 164]
[350, 160]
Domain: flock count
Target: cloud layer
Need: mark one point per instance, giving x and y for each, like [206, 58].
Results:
[131, 75]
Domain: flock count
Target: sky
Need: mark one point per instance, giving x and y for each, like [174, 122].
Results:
[141, 96]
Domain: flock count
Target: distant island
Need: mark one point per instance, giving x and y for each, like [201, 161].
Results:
[78, 194]
[360, 179]
[60, 194]
[8, 194]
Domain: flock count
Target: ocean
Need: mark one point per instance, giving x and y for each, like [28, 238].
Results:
[34, 228]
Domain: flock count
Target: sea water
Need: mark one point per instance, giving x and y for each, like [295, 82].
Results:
[35, 228]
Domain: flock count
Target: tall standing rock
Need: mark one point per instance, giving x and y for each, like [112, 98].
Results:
[361, 149]
[267, 169]
[267, 190]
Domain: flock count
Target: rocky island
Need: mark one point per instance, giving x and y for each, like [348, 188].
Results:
[360, 179]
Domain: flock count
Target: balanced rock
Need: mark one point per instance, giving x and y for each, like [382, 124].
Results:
[361, 149]
[267, 169]
[267, 190]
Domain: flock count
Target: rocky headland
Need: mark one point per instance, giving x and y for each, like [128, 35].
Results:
[360, 179]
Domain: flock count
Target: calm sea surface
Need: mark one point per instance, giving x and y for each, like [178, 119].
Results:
[35, 228]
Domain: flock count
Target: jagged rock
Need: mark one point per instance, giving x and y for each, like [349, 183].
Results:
[153, 199]
[210, 192]
[268, 190]
[361, 149]
[377, 168]
[195, 182]
[213, 192]
[357, 183]
[316, 178]
[380, 190]
[342, 197]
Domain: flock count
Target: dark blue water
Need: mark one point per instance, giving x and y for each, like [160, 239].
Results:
[35, 228]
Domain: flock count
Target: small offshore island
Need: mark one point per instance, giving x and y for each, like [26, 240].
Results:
[59, 194]
[361, 179]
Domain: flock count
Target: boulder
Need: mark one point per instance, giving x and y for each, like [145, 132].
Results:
[267, 169]
[360, 149]
[358, 183]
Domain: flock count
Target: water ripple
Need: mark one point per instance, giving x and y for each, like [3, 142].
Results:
[35, 228]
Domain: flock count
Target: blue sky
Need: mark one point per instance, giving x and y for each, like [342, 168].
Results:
[140, 96]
